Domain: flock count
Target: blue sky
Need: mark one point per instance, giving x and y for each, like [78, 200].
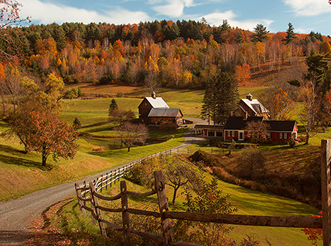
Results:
[305, 15]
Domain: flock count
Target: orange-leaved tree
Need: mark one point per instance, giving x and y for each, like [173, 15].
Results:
[36, 122]
[49, 135]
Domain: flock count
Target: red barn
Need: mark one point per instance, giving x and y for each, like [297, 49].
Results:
[154, 111]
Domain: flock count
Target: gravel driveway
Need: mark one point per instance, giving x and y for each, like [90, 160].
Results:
[16, 215]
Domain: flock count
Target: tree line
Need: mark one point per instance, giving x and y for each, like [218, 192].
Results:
[183, 54]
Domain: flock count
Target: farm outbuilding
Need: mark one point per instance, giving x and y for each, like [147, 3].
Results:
[155, 111]
[209, 130]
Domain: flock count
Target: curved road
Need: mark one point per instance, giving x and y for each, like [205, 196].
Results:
[16, 215]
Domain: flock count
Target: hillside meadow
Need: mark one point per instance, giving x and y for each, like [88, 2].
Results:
[22, 173]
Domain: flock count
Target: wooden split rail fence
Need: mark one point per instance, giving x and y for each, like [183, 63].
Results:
[167, 237]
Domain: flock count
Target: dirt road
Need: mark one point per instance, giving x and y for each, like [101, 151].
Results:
[16, 215]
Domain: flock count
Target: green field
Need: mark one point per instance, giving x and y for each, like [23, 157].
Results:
[21, 173]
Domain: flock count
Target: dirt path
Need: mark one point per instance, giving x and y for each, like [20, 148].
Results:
[16, 215]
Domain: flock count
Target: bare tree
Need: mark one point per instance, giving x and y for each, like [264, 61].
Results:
[132, 133]
[179, 174]
[309, 108]
[257, 129]
[9, 16]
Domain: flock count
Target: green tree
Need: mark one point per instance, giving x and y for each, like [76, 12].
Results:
[315, 109]
[77, 124]
[290, 35]
[208, 198]
[112, 107]
[221, 96]
[260, 33]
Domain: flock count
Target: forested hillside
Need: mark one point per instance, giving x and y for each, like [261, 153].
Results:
[182, 54]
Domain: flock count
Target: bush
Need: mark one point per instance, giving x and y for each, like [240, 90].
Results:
[205, 158]
[119, 94]
[291, 142]
[251, 164]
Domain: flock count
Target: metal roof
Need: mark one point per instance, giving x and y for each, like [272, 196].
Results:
[157, 102]
[255, 105]
[238, 123]
[164, 112]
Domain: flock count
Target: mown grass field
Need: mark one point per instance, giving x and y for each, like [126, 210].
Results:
[246, 201]
[22, 174]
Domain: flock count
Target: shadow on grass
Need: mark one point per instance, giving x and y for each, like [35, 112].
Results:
[24, 162]
[19, 161]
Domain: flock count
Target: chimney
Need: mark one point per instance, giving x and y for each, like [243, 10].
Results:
[153, 95]
[249, 97]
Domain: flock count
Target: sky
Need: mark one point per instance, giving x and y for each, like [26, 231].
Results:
[305, 15]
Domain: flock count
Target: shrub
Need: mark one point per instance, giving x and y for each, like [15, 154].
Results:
[119, 94]
[291, 142]
[251, 163]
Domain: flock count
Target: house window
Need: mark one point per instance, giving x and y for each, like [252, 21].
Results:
[280, 135]
[241, 136]
[285, 135]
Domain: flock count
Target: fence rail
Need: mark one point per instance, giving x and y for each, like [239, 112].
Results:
[167, 236]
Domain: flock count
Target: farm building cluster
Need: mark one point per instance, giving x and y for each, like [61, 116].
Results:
[154, 111]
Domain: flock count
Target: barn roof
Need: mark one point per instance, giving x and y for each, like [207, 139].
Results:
[157, 102]
[281, 125]
[238, 123]
[255, 105]
[164, 112]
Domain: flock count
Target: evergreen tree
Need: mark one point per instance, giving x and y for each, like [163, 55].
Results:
[77, 124]
[260, 33]
[112, 107]
[290, 35]
[318, 73]
[220, 98]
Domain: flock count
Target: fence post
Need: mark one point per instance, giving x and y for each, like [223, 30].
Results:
[94, 203]
[101, 182]
[326, 189]
[107, 181]
[111, 178]
[80, 202]
[167, 230]
[125, 214]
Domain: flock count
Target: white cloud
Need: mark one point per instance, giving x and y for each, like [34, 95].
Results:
[216, 19]
[309, 7]
[172, 8]
[48, 13]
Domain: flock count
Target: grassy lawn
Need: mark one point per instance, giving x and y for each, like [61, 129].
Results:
[21, 173]
[246, 201]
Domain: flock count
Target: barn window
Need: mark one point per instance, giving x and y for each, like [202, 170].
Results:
[280, 135]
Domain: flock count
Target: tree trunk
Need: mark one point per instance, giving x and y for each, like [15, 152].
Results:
[44, 157]
[307, 138]
[174, 196]
[129, 149]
